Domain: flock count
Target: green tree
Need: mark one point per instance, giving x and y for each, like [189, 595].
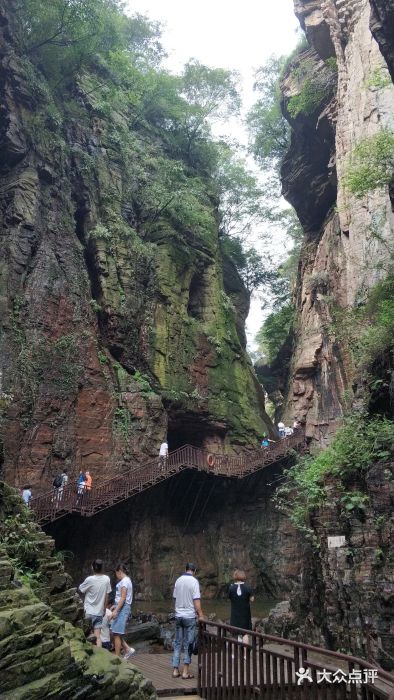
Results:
[274, 331]
[371, 164]
[63, 37]
[268, 129]
[211, 94]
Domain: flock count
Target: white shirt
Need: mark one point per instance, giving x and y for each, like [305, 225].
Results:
[26, 495]
[281, 426]
[95, 588]
[64, 479]
[124, 583]
[163, 449]
[186, 590]
[104, 633]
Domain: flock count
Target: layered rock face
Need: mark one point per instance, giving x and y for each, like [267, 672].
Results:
[112, 333]
[345, 595]
[347, 238]
[42, 655]
[220, 524]
[344, 598]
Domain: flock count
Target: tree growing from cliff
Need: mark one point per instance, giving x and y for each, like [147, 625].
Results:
[371, 164]
[268, 129]
[64, 36]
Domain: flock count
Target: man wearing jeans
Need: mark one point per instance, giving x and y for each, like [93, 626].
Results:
[187, 607]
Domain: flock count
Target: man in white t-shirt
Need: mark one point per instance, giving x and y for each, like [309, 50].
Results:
[96, 589]
[187, 607]
[281, 429]
[163, 454]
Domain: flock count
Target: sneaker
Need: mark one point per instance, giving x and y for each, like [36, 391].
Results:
[129, 653]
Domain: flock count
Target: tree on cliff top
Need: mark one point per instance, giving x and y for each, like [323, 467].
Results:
[63, 36]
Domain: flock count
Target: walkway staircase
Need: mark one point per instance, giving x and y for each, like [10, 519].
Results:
[55, 504]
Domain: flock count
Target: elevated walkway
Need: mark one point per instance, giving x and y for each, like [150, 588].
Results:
[53, 505]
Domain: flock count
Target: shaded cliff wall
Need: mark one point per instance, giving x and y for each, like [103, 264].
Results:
[112, 331]
[219, 523]
[342, 255]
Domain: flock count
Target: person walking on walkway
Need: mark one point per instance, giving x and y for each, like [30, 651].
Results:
[122, 610]
[241, 596]
[96, 589]
[187, 606]
[281, 429]
[88, 482]
[163, 455]
[26, 495]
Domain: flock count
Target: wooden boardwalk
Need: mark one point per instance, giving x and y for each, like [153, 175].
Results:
[157, 667]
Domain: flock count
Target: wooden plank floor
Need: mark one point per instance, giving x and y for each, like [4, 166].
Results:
[157, 667]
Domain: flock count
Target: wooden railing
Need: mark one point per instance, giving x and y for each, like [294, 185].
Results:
[270, 667]
[56, 503]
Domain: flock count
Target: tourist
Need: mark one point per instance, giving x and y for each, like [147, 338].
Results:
[59, 483]
[288, 432]
[121, 610]
[26, 495]
[163, 454]
[265, 443]
[96, 589]
[281, 429]
[187, 606]
[88, 481]
[296, 425]
[80, 486]
[241, 596]
[105, 633]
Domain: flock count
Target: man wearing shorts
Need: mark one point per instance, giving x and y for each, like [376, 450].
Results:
[96, 589]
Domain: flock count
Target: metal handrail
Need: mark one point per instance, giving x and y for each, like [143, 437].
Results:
[231, 667]
[56, 503]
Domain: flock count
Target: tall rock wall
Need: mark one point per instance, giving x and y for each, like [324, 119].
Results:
[112, 332]
[346, 238]
[221, 524]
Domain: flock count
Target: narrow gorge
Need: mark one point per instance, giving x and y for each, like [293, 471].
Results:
[122, 324]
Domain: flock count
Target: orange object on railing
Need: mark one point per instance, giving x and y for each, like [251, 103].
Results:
[52, 505]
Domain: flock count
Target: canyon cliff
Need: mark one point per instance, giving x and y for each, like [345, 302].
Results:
[344, 597]
[115, 331]
[347, 238]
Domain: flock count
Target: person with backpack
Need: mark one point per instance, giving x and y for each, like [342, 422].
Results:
[57, 485]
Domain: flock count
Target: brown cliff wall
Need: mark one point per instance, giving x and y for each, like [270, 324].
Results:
[112, 332]
[221, 524]
[341, 258]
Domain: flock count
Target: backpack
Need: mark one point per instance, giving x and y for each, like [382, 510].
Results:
[57, 482]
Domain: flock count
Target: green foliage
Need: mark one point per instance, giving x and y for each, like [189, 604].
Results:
[121, 422]
[379, 79]
[332, 64]
[316, 84]
[54, 363]
[63, 37]
[368, 331]
[274, 331]
[358, 444]
[354, 500]
[371, 164]
[17, 535]
[268, 129]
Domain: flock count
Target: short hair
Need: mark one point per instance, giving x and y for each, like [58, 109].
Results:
[97, 566]
[190, 567]
[239, 575]
[122, 567]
